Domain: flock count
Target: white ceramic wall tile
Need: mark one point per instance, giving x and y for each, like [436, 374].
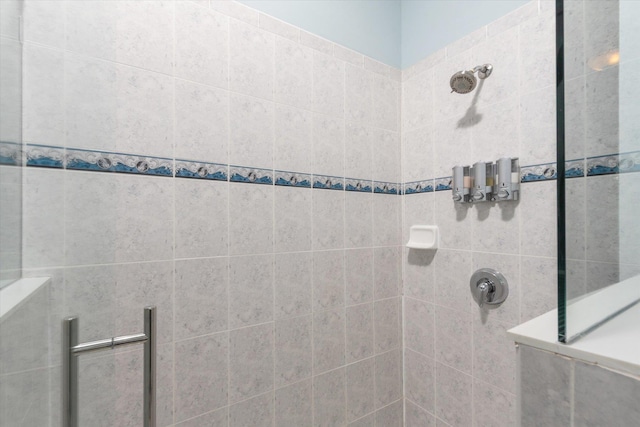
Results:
[279, 27]
[328, 280]
[42, 95]
[292, 286]
[328, 340]
[386, 318]
[12, 88]
[201, 45]
[293, 139]
[601, 114]
[418, 210]
[452, 142]
[545, 387]
[253, 412]
[129, 32]
[538, 281]
[387, 272]
[417, 101]
[43, 229]
[538, 126]
[251, 219]
[359, 276]
[292, 219]
[538, 41]
[417, 154]
[494, 357]
[420, 383]
[483, 415]
[358, 151]
[328, 219]
[388, 377]
[453, 270]
[316, 43]
[574, 38]
[236, 10]
[328, 145]
[454, 339]
[415, 416]
[358, 219]
[391, 415]
[199, 235]
[496, 228]
[419, 326]
[293, 73]
[329, 394]
[359, 327]
[386, 156]
[386, 221]
[201, 297]
[250, 361]
[43, 22]
[348, 55]
[251, 60]
[453, 396]
[201, 375]
[603, 224]
[294, 405]
[360, 388]
[419, 274]
[251, 295]
[252, 132]
[358, 94]
[202, 122]
[502, 125]
[293, 340]
[385, 103]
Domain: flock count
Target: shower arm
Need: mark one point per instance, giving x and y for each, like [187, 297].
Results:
[483, 71]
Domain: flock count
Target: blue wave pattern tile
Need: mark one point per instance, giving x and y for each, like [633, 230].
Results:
[250, 175]
[574, 169]
[416, 187]
[328, 182]
[45, 156]
[381, 187]
[361, 185]
[538, 173]
[88, 160]
[293, 179]
[200, 170]
[10, 153]
[443, 184]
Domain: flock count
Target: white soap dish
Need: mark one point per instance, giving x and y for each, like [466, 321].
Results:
[423, 237]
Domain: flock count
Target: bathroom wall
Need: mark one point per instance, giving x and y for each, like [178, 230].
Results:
[10, 124]
[236, 172]
[460, 367]
[558, 390]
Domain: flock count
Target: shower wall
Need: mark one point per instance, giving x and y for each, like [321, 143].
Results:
[254, 200]
[460, 367]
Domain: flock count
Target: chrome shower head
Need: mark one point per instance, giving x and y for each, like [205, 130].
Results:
[465, 81]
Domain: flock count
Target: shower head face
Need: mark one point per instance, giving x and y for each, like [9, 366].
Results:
[463, 82]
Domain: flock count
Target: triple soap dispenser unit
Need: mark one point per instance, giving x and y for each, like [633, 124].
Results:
[487, 182]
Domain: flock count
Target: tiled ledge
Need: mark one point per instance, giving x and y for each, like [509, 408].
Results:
[36, 155]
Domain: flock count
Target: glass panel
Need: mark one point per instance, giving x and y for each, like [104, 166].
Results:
[602, 139]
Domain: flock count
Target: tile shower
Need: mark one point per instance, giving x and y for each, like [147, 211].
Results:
[256, 183]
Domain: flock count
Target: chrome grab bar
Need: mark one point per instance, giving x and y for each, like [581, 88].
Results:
[72, 349]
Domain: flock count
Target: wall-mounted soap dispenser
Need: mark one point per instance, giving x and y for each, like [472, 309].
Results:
[483, 175]
[461, 184]
[507, 185]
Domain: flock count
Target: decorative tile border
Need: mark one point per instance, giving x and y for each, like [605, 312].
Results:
[201, 170]
[10, 153]
[37, 155]
[416, 187]
[614, 163]
[443, 184]
[87, 160]
[382, 187]
[542, 172]
[250, 175]
[328, 182]
[45, 156]
[360, 185]
[293, 179]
